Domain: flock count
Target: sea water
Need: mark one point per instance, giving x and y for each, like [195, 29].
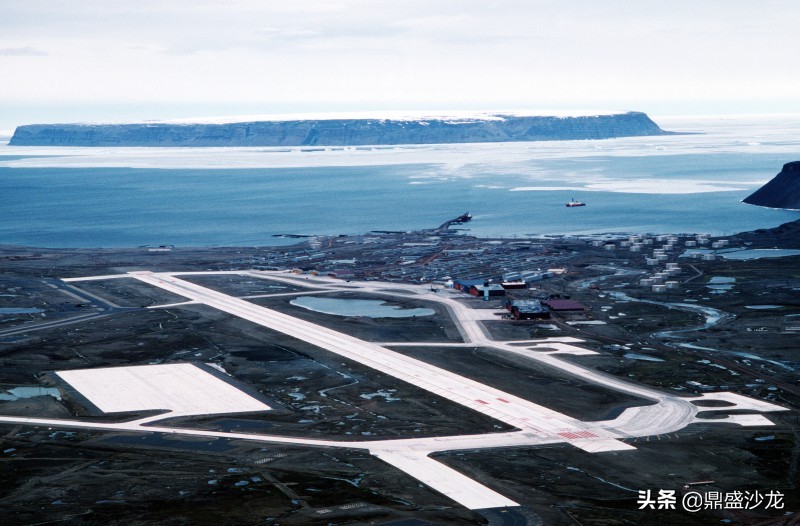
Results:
[117, 197]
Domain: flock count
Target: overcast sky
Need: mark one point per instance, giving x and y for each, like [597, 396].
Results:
[148, 59]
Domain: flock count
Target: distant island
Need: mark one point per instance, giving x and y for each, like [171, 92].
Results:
[782, 191]
[359, 131]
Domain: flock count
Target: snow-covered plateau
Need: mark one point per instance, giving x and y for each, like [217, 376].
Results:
[337, 131]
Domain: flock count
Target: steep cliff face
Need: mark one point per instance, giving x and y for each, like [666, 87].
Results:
[341, 132]
[783, 191]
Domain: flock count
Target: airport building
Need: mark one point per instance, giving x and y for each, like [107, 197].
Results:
[528, 310]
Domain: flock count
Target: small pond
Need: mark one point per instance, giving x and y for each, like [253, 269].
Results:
[642, 357]
[368, 308]
[19, 310]
[720, 284]
[745, 253]
[29, 392]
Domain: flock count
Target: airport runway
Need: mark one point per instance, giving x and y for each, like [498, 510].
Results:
[671, 414]
[532, 418]
[498, 404]
[537, 424]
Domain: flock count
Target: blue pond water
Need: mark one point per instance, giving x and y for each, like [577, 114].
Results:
[19, 310]
[351, 307]
[17, 393]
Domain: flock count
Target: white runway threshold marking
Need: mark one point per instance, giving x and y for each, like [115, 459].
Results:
[446, 480]
[182, 388]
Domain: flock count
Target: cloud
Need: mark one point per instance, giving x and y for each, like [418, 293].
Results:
[287, 32]
[25, 51]
[362, 54]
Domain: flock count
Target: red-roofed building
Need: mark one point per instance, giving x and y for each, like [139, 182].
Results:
[559, 305]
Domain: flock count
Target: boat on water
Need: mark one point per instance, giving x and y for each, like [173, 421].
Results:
[460, 220]
[573, 202]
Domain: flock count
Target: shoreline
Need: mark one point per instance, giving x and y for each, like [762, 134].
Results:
[301, 239]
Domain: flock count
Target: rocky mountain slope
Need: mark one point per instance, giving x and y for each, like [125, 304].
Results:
[783, 191]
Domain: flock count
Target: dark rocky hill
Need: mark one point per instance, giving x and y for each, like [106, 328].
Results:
[783, 191]
[786, 235]
[341, 132]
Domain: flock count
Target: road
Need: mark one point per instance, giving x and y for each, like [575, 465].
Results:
[102, 307]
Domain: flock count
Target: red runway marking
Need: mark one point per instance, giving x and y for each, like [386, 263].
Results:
[577, 434]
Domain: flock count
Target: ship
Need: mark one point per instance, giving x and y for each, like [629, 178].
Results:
[573, 202]
[463, 218]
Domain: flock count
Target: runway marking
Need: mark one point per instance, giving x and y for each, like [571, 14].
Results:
[444, 479]
[577, 434]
